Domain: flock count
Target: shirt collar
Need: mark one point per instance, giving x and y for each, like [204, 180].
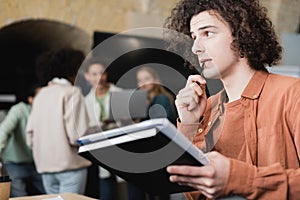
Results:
[255, 85]
[60, 81]
[252, 90]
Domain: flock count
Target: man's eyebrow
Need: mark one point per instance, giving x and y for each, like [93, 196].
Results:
[204, 27]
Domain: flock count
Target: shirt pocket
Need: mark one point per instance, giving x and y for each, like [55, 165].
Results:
[271, 145]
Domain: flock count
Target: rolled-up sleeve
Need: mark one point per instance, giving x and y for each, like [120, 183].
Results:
[253, 182]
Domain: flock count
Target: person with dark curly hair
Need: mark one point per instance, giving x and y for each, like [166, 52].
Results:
[58, 118]
[252, 126]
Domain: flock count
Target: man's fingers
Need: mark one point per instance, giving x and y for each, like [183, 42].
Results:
[185, 101]
[195, 78]
[198, 89]
[184, 170]
[194, 90]
[207, 182]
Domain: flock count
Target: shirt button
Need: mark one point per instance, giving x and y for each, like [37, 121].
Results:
[209, 123]
[200, 130]
[255, 96]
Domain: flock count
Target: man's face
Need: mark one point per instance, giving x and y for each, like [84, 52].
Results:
[212, 45]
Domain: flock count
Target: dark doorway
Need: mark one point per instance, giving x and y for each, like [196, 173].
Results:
[22, 42]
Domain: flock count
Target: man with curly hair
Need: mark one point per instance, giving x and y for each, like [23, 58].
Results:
[252, 126]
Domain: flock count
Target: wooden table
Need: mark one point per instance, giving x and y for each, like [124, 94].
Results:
[68, 196]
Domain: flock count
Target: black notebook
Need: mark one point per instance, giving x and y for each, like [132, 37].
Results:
[139, 153]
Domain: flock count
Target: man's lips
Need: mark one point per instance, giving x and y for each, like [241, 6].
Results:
[203, 60]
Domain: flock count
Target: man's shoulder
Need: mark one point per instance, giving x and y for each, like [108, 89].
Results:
[285, 82]
[18, 111]
[281, 88]
[19, 107]
[287, 79]
[67, 90]
[57, 92]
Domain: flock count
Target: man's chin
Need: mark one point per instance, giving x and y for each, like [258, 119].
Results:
[211, 75]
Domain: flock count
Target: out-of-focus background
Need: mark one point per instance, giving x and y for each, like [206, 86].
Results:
[30, 27]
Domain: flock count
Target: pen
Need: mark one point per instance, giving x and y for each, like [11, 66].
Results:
[202, 68]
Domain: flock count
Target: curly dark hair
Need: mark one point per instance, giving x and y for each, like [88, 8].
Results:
[253, 33]
[60, 63]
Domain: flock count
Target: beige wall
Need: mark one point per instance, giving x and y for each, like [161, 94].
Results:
[285, 14]
[120, 15]
[90, 15]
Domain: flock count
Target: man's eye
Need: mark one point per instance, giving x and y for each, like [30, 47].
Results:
[208, 33]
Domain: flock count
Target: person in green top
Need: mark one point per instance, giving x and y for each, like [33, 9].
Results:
[14, 152]
[98, 104]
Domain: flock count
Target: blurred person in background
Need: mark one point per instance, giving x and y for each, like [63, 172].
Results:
[58, 118]
[98, 105]
[14, 152]
[160, 105]
[160, 101]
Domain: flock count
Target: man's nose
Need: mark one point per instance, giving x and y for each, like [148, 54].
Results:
[197, 47]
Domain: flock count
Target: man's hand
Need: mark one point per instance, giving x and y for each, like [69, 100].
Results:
[191, 100]
[210, 180]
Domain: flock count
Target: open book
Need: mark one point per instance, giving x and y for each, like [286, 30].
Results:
[139, 153]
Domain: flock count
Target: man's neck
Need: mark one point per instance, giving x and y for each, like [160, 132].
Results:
[237, 81]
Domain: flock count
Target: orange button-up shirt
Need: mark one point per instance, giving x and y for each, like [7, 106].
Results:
[266, 164]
